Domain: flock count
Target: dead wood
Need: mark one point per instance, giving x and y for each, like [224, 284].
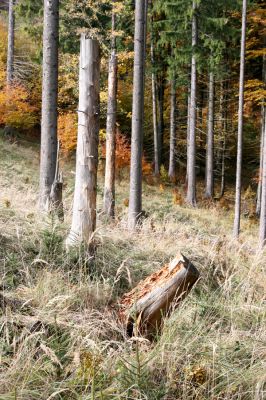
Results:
[144, 308]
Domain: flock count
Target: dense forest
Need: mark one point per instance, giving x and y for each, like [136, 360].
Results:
[132, 199]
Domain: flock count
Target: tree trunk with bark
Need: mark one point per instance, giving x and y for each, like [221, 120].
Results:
[259, 189]
[223, 130]
[262, 230]
[172, 163]
[161, 118]
[188, 132]
[222, 187]
[11, 43]
[191, 181]
[49, 102]
[209, 191]
[145, 307]
[154, 113]
[135, 194]
[109, 185]
[84, 205]
[236, 228]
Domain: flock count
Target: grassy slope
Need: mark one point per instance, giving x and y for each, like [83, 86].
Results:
[65, 341]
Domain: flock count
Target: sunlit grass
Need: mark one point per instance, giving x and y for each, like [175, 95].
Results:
[65, 340]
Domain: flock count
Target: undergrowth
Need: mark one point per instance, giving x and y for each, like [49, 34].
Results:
[60, 336]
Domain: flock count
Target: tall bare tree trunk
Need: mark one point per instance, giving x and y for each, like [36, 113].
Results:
[49, 101]
[258, 206]
[154, 112]
[210, 141]
[262, 230]
[135, 194]
[172, 163]
[191, 189]
[11, 41]
[236, 228]
[223, 129]
[161, 117]
[188, 131]
[259, 188]
[109, 185]
[84, 206]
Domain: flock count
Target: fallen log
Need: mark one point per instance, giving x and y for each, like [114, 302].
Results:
[144, 308]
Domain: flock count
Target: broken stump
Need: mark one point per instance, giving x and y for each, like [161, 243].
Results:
[143, 309]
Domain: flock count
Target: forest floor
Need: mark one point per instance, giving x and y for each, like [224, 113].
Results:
[60, 337]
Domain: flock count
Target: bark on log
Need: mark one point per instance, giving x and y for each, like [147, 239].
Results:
[143, 309]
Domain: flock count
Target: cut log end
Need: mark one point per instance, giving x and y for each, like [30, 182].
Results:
[144, 308]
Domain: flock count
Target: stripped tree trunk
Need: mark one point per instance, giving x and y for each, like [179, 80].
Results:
[172, 163]
[262, 230]
[143, 309]
[109, 185]
[135, 194]
[258, 206]
[154, 113]
[188, 132]
[11, 41]
[191, 188]
[209, 191]
[49, 102]
[236, 227]
[84, 205]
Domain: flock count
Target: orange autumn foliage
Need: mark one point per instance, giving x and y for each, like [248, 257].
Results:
[123, 154]
[67, 131]
[16, 110]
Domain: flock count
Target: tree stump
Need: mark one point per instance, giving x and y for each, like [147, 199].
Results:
[144, 308]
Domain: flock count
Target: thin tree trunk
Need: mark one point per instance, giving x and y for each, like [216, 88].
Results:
[258, 205]
[161, 118]
[109, 186]
[11, 41]
[135, 194]
[84, 206]
[188, 132]
[191, 189]
[49, 102]
[262, 229]
[210, 141]
[259, 188]
[154, 113]
[222, 188]
[223, 130]
[172, 163]
[236, 228]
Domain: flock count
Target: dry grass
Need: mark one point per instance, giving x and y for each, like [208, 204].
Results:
[64, 340]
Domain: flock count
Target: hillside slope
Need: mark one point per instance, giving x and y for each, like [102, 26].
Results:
[59, 333]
